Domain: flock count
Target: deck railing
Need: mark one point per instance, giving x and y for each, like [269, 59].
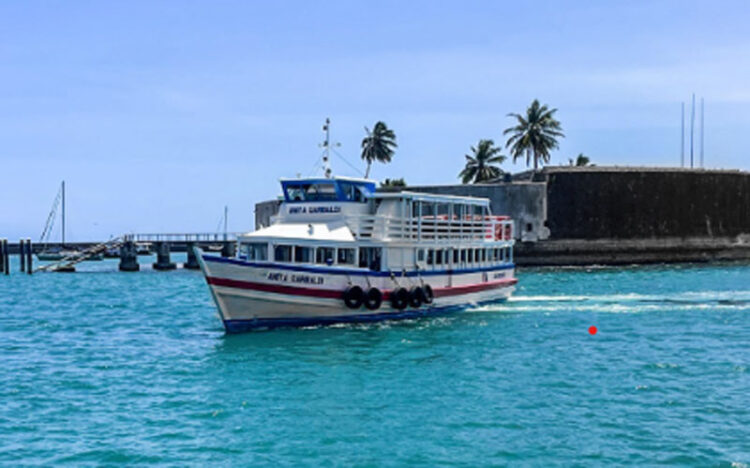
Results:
[431, 228]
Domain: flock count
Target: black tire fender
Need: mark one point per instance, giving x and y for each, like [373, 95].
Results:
[416, 297]
[373, 299]
[353, 297]
[428, 294]
[399, 298]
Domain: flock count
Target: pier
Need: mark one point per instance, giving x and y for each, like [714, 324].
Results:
[126, 247]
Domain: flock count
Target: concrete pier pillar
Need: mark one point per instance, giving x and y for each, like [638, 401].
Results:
[22, 254]
[3, 263]
[227, 250]
[163, 261]
[29, 257]
[192, 261]
[128, 257]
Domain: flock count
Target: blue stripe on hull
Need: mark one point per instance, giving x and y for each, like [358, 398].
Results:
[239, 326]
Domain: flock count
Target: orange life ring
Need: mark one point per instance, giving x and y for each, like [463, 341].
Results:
[498, 231]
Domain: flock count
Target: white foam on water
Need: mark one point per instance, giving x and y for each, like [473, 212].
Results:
[624, 303]
[696, 296]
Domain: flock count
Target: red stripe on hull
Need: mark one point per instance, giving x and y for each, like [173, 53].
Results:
[274, 288]
[472, 288]
[327, 293]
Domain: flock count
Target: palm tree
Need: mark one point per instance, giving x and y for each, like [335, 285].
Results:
[535, 134]
[393, 183]
[483, 165]
[378, 145]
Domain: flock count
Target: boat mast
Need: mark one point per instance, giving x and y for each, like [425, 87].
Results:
[63, 213]
[327, 149]
[326, 145]
[226, 209]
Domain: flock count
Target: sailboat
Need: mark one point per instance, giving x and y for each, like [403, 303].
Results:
[62, 252]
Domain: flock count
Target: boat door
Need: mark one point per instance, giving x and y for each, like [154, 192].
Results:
[421, 259]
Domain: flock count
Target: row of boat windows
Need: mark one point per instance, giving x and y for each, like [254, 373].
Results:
[300, 254]
[370, 257]
[464, 256]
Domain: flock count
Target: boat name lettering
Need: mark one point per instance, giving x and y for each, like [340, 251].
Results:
[294, 278]
[314, 209]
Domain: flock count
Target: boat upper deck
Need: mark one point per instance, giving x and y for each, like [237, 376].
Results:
[325, 205]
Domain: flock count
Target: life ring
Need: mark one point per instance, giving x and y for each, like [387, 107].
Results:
[373, 299]
[498, 231]
[428, 294]
[353, 297]
[508, 233]
[399, 298]
[416, 297]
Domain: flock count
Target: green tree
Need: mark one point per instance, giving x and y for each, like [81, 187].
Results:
[378, 145]
[535, 134]
[393, 183]
[483, 165]
[581, 160]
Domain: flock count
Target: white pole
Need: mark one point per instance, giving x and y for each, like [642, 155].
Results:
[692, 131]
[702, 111]
[682, 138]
[63, 213]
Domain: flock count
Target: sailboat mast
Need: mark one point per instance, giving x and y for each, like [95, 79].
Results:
[63, 213]
[226, 209]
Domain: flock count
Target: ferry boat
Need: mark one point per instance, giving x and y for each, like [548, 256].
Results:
[338, 251]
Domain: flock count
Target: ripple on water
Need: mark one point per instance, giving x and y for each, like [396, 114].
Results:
[111, 368]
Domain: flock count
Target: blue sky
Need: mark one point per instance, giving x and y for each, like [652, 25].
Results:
[157, 114]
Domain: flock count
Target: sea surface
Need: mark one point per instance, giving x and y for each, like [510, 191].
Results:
[101, 368]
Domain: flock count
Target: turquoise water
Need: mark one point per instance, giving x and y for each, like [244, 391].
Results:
[105, 367]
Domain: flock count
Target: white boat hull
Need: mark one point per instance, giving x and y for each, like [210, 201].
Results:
[267, 295]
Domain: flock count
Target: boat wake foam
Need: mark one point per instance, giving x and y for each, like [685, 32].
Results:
[624, 303]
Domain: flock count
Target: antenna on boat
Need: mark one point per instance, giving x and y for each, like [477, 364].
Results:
[326, 145]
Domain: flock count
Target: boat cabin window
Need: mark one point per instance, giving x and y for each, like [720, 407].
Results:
[369, 257]
[470, 258]
[352, 192]
[455, 256]
[345, 257]
[323, 191]
[325, 255]
[256, 251]
[303, 254]
[282, 253]
[438, 257]
[317, 190]
[430, 257]
[420, 255]
[463, 255]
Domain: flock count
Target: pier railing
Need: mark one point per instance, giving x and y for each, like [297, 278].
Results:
[433, 228]
[183, 237]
